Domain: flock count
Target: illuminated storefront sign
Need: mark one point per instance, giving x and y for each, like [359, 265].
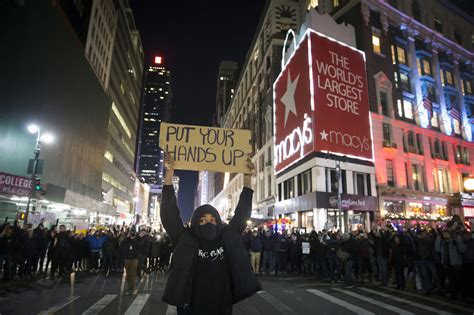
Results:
[321, 102]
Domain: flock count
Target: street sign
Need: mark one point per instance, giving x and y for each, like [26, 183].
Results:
[39, 166]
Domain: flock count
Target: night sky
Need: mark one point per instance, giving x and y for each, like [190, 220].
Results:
[193, 37]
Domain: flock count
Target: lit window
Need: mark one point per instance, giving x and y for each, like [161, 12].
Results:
[376, 42]
[435, 120]
[109, 156]
[313, 4]
[121, 120]
[426, 67]
[392, 48]
[456, 127]
[401, 55]
[408, 109]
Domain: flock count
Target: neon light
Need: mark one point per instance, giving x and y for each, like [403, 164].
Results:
[290, 31]
[311, 82]
[288, 147]
[158, 59]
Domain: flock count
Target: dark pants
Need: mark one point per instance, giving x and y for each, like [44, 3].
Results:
[455, 276]
[282, 260]
[94, 263]
[109, 261]
[365, 267]
[142, 264]
[428, 275]
[348, 272]
[332, 260]
[399, 276]
[320, 267]
[6, 262]
[383, 270]
[268, 263]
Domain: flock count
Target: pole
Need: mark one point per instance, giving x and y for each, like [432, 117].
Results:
[339, 186]
[33, 175]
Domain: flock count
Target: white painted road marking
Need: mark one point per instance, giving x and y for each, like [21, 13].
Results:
[138, 304]
[57, 307]
[375, 302]
[275, 303]
[415, 304]
[342, 303]
[100, 305]
[171, 310]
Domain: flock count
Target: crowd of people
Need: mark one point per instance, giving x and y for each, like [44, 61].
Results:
[27, 251]
[429, 257]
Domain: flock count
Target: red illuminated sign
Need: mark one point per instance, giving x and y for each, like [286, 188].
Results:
[158, 60]
[321, 102]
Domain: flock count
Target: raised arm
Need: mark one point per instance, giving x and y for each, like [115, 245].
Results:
[169, 212]
[244, 207]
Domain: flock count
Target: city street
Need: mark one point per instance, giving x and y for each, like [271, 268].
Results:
[97, 294]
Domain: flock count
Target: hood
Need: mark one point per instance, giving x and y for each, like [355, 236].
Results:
[200, 212]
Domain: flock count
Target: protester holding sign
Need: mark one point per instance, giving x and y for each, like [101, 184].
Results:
[211, 268]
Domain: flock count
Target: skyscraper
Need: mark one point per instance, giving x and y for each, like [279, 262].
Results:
[226, 80]
[156, 107]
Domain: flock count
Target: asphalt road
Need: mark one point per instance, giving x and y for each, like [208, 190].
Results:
[97, 294]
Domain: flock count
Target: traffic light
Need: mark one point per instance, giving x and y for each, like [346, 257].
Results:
[38, 184]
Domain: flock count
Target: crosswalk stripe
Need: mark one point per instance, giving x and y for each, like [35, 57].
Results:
[59, 306]
[342, 303]
[375, 302]
[275, 303]
[138, 304]
[171, 310]
[399, 299]
[100, 304]
[438, 301]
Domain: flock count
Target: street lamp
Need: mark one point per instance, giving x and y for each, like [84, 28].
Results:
[46, 138]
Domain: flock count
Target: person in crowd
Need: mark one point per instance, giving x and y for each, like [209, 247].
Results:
[40, 236]
[154, 251]
[398, 260]
[144, 245]
[468, 265]
[282, 252]
[255, 251]
[333, 243]
[294, 253]
[130, 250]
[363, 249]
[268, 250]
[349, 247]
[6, 250]
[305, 255]
[109, 249]
[451, 248]
[27, 254]
[96, 242]
[381, 239]
[211, 268]
[318, 255]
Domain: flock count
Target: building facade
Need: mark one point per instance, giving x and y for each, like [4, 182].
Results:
[45, 92]
[156, 107]
[419, 73]
[419, 65]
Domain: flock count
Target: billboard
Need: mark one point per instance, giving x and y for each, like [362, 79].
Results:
[11, 184]
[321, 102]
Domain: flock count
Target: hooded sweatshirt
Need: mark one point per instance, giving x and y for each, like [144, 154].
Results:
[212, 276]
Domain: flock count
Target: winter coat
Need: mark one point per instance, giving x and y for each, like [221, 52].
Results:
[96, 243]
[455, 247]
[178, 289]
[256, 244]
[154, 248]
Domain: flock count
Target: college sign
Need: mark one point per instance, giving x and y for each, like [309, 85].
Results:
[321, 102]
[15, 185]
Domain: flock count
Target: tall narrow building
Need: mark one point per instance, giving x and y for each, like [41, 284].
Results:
[156, 107]
[226, 80]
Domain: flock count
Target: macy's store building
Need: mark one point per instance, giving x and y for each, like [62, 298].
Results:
[323, 138]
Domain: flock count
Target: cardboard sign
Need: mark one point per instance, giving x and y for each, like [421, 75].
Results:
[201, 148]
[11, 184]
[321, 102]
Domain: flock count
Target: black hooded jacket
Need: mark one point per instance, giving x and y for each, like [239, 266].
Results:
[187, 244]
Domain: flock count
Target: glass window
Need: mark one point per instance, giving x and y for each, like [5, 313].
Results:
[376, 41]
[416, 177]
[386, 133]
[394, 58]
[435, 119]
[333, 181]
[384, 103]
[360, 182]
[424, 66]
[405, 82]
[304, 183]
[390, 177]
[456, 127]
[290, 188]
[408, 109]
[401, 55]
[419, 143]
